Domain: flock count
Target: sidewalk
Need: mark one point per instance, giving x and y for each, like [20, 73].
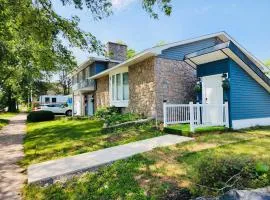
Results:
[11, 151]
[50, 170]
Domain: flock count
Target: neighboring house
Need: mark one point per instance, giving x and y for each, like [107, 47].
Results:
[170, 72]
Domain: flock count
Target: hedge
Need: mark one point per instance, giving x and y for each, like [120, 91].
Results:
[40, 116]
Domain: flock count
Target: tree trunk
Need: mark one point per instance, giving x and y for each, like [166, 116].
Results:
[11, 102]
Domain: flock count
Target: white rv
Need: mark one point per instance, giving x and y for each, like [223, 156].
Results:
[53, 99]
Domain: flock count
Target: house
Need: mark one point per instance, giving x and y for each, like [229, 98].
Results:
[223, 69]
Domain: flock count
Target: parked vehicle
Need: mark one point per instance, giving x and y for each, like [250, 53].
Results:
[54, 99]
[57, 108]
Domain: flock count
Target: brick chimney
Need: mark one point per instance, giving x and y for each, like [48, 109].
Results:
[117, 51]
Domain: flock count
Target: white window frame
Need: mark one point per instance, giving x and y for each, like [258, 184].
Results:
[114, 101]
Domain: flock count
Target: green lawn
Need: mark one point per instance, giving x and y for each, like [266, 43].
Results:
[59, 138]
[184, 129]
[157, 174]
[4, 118]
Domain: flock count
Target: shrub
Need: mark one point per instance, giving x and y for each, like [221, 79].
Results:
[112, 115]
[214, 174]
[39, 116]
[104, 113]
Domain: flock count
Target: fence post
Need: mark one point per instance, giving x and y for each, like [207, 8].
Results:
[165, 114]
[198, 113]
[191, 113]
[227, 114]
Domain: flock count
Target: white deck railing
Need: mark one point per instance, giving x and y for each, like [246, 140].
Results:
[197, 115]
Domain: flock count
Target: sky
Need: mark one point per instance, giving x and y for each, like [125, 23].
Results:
[246, 21]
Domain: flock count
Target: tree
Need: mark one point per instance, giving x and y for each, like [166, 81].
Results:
[160, 43]
[130, 53]
[35, 41]
[267, 63]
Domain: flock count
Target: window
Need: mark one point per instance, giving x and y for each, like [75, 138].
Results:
[125, 86]
[119, 87]
[83, 74]
[113, 87]
[47, 99]
[78, 78]
[54, 100]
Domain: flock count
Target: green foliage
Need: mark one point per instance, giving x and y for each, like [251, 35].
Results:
[112, 115]
[116, 181]
[107, 112]
[131, 53]
[161, 43]
[3, 122]
[267, 63]
[171, 130]
[40, 116]
[214, 174]
[159, 174]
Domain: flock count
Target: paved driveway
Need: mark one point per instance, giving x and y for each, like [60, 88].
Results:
[11, 151]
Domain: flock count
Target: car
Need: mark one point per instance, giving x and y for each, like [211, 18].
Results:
[62, 109]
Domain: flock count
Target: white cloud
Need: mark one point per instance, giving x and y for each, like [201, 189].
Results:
[120, 4]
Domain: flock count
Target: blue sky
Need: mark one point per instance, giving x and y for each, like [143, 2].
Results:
[246, 21]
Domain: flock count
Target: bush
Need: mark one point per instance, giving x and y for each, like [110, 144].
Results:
[104, 113]
[39, 116]
[214, 174]
[112, 116]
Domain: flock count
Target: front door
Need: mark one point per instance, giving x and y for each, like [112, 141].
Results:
[90, 105]
[212, 95]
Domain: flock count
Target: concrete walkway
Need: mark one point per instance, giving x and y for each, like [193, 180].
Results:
[55, 169]
[11, 151]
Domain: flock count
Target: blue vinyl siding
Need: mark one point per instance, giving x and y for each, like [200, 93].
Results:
[101, 66]
[178, 52]
[212, 68]
[98, 67]
[248, 99]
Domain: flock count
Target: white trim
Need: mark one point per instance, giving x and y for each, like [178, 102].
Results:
[117, 103]
[138, 58]
[158, 50]
[246, 123]
[247, 69]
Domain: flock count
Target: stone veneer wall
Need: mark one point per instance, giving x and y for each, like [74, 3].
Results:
[102, 93]
[142, 87]
[175, 81]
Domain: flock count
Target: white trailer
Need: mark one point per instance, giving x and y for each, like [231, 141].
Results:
[54, 99]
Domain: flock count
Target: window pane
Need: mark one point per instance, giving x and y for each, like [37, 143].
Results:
[125, 86]
[118, 85]
[83, 74]
[53, 100]
[47, 100]
[113, 87]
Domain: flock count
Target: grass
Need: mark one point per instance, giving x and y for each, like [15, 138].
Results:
[184, 129]
[4, 118]
[54, 139]
[162, 173]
